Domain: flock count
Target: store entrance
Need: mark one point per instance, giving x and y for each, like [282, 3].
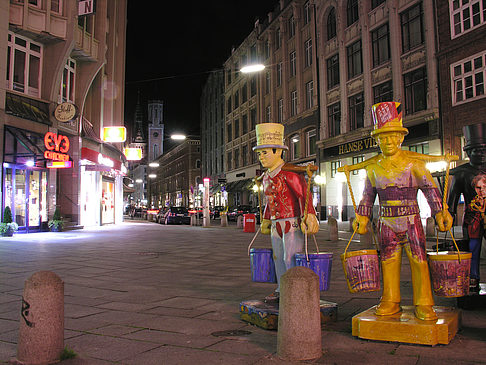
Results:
[25, 192]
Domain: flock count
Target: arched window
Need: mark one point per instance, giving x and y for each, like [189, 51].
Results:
[331, 24]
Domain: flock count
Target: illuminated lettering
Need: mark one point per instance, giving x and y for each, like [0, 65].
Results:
[356, 146]
[54, 142]
[102, 160]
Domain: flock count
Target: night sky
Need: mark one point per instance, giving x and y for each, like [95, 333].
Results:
[176, 46]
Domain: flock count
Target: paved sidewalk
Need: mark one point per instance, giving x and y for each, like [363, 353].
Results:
[144, 293]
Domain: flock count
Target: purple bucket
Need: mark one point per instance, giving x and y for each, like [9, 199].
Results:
[320, 263]
[262, 265]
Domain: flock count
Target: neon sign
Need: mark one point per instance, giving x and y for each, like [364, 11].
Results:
[56, 147]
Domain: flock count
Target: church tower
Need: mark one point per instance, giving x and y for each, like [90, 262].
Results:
[155, 129]
[139, 140]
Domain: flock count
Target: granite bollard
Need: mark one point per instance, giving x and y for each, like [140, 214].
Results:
[224, 220]
[430, 227]
[333, 228]
[299, 321]
[41, 333]
[239, 222]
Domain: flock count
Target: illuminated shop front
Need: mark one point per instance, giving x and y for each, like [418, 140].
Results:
[101, 195]
[337, 199]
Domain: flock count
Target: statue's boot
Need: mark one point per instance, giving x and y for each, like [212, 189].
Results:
[390, 301]
[425, 313]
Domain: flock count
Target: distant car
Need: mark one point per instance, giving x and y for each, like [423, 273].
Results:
[215, 212]
[160, 215]
[176, 215]
[235, 212]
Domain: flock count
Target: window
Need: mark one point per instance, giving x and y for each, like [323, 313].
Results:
[415, 83]
[375, 3]
[308, 52]
[309, 94]
[244, 121]
[280, 110]
[268, 113]
[228, 105]
[468, 78]
[253, 118]
[228, 76]
[311, 142]
[229, 134]
[331, 24]
[334, 167]
[244, 93]
[422, 148]
[466, 15]
[356, 111]
[355, 64]
[36, 3]
[267, 82]
[332, 71]
[56, 6]
[352, 11]
[68, 81]
[380, 39]
[307, 12]
[253, 53]
[293, 103]
[279, 73]
[294, 147]
[291, 27]
[334, 119]
[278, 39]
[228, 160]
[198, 164]
[237, 158]
[244, 155]
[356, 160]
[237, 128]
[252, 86]
[236, 102]
[267, 50]
[24, 59]
[293, 64]
[412, 28]
[383, 92]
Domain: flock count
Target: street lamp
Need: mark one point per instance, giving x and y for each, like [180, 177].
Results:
[252, 68]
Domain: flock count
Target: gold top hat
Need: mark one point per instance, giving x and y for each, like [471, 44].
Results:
[386, 118]
[270, 135]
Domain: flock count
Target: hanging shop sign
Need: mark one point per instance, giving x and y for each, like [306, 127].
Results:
[100, 159]
[65, 112]
[56, 146]
[86, 7]
[114, 134]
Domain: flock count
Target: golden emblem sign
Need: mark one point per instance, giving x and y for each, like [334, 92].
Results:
[65, 112]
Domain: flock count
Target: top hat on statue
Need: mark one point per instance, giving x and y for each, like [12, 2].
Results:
[270, 135]
[386, 118]
[475, 135]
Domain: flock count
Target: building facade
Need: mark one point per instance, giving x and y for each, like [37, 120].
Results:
[64, 82]
[461, 28]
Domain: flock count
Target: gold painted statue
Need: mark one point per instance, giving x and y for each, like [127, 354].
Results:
[395, 175]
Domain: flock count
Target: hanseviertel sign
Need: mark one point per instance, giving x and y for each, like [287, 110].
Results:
[360, 145]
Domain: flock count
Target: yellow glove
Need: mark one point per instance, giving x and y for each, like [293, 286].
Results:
[361, 224]
[266, 226]
[312, 224]
[444, 220]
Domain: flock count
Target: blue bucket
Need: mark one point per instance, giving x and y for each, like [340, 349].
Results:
[320, 263]
[262, 265]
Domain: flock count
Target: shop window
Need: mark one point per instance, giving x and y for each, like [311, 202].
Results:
[334, 119]
[311, 142]
[466, 15]
[68, 81]
[352, 12]
[422, 148]
[331, 24]
[380, 39]
[24, 65]
[412, 27]
[356, 111]
[308, 52]
[294, 147]
[355, 63]
[332, 71]
[467, 78]
[415, 84]
[334, 167]
[383, 92]
[356, 160]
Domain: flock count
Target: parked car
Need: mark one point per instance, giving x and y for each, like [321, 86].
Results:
[215, 212]
[235, 212]
[160, 215]
[176, 215]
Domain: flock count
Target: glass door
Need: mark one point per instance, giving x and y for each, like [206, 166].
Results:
[19, 210]
[34, 199]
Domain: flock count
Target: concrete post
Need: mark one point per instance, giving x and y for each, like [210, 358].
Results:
[430, 227]
[41, 334]
[299, 319]
[239, 222]
[333, 228]
[224, 220]
[193, 219]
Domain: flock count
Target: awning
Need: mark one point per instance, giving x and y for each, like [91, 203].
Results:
[239, 185]
[26, 108]
[215, 188]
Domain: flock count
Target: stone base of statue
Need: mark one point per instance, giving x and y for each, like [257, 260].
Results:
[404, 327]
[475, 299]
[265, 314]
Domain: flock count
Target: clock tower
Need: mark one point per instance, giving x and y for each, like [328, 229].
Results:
[155, 129]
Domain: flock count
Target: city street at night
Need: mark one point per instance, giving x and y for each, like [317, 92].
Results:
[145, 293]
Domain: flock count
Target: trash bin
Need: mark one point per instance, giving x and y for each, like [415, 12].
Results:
[249, 221]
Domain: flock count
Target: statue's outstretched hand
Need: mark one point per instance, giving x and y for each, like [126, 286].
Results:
[312, 224]
[444, 220]
[360, 224]
[266, 226]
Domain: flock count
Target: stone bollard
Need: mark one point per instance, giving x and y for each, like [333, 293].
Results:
[299, 319]
[41, 334]
[333, 228]
[430, 227]
[193, 220]
[224, 220]
[239, 222]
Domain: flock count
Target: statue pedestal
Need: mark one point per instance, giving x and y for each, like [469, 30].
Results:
[265, 315]
[406, 328]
